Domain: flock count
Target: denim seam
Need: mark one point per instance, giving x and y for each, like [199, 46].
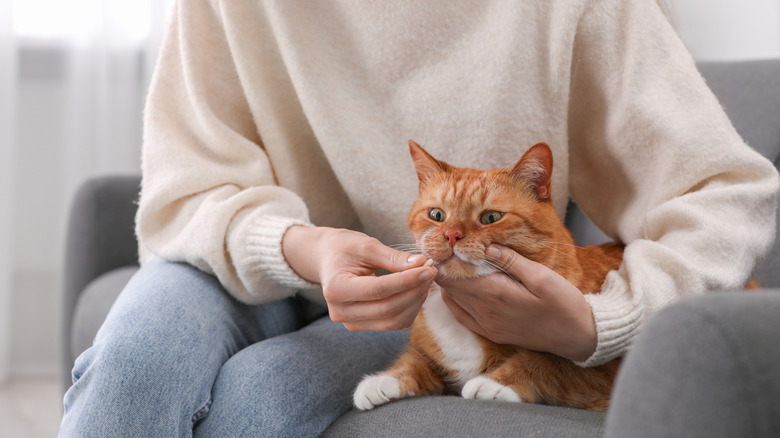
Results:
[201, 413]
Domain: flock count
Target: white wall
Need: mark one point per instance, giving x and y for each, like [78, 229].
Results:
[7, 68]
[726, 30]
[78, 111]
[47, 170]
[38, 230]
[45, 188]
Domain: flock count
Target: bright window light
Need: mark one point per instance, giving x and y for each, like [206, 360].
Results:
[79, 18]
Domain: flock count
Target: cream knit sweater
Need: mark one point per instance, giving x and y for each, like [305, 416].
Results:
[265, 114]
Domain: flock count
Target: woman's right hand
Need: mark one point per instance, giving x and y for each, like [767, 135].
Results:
[344, 262]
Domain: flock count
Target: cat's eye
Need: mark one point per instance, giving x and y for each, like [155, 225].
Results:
[490, 217]
[437, 214]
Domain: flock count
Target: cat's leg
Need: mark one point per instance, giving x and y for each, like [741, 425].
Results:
[411, 375]
[545, 378]
[376, 390]
[485, 388]
[527, 375]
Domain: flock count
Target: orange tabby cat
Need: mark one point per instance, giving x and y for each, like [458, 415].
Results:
[458, 214]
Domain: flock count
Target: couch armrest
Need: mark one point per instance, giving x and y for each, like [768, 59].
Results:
[100, 237]
[705, 366]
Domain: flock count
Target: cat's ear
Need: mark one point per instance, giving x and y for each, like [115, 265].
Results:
[427, 167]
[535, 167]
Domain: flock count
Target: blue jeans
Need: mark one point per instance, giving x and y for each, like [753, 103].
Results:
[178, 357]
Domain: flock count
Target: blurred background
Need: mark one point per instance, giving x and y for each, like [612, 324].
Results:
[73, 77]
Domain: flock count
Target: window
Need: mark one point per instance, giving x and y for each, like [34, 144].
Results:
[75, 19]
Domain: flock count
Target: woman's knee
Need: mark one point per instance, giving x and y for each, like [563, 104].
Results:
[161, 347]
[130, 389]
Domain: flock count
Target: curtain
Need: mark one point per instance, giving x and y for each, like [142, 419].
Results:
[73, 79]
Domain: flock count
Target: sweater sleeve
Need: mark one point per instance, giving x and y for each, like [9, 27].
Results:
[209, 196]
[656, 164]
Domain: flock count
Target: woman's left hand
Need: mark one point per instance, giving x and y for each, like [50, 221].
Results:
[542, 311]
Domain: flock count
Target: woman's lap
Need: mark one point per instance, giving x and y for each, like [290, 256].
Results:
[296, 384]
[174, 332]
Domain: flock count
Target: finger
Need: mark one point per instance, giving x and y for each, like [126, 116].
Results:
[489, 290]
[346, 287]
[464, 286]
[506, 258]
[369, 288]
[389, 325]
[470, 319]
[403, 319]
[380, 256]
[396, 306]
[526, 271]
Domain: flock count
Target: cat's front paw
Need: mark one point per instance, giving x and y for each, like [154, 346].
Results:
[484, 388]
[375, 391]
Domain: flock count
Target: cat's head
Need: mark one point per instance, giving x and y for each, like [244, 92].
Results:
[461, 211]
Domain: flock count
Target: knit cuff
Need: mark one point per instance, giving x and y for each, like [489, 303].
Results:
[618, 320]
[264, 242]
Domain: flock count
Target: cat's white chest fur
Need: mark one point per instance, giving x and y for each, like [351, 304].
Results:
[460, 347]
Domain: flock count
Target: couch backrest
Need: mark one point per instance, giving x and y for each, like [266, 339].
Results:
[750, 94]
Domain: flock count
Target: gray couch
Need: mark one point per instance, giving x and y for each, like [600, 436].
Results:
[700, 367]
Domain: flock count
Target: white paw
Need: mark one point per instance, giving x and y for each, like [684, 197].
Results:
[375, 391]
[483, 388]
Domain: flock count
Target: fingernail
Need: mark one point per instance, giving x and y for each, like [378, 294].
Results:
[493, 252]
[427, 275]
[415, 259]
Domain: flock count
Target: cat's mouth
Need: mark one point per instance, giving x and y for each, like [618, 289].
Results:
[449, 259]
[453, 258]
[456, 265]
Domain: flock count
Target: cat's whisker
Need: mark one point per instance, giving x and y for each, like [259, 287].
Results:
[558, 250]
[568, 244]
[502, 269]
[405, 237]
[403, 246]
[496, 266]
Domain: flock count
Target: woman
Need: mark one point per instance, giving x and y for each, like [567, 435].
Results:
[275, 164]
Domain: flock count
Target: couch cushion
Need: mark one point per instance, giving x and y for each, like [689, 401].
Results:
[453, 416]
[93, 306]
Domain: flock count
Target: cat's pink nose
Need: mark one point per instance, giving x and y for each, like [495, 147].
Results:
[453, 236]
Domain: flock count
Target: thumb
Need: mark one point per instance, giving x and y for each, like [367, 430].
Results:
[509, 261]
[393, 260]
[535, 276]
